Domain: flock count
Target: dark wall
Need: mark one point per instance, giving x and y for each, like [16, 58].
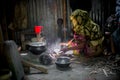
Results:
[7, 10]
[99, 10]
[81, 4]
[46, 13]
[6, 16]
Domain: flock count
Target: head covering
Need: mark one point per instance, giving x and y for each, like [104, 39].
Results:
[80, 13]
[86, 27]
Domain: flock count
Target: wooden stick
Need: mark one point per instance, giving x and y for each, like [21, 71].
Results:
[26, 63]
[64, 18]
[105, 72]
[112, 45]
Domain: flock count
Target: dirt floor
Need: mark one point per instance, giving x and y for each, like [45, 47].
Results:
[99, 68]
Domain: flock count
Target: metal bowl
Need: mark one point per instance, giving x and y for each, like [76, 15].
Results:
[63, 62]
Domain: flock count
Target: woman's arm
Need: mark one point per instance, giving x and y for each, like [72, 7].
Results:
[79, 46]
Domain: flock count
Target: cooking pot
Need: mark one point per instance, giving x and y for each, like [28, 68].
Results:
[63, 62]
[36, 48]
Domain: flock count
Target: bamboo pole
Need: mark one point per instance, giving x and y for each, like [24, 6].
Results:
[64, 17]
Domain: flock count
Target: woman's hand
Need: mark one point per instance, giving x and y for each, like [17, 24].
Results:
[64, 44]
[67, 43]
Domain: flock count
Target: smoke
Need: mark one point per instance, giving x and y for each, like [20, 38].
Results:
[54, 46]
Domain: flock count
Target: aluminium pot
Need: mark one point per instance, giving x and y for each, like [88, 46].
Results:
[63, 62]
[36, 48]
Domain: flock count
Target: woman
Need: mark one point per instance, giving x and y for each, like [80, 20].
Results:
[87, 38]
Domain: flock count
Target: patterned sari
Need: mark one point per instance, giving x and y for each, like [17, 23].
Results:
[88, 38]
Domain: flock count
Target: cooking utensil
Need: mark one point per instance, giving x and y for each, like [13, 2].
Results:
[63, 62]
[36, 47]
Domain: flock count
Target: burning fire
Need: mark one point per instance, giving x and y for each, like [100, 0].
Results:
[55, 50]
[56, 54]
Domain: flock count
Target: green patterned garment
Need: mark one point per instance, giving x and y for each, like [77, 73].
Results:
[83, 25]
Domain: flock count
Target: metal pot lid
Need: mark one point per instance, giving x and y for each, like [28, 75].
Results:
[63, 60]
[37, 43]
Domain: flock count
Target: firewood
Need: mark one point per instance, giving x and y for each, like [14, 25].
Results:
[27, 63]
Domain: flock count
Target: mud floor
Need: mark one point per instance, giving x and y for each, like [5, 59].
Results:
[91, 69]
